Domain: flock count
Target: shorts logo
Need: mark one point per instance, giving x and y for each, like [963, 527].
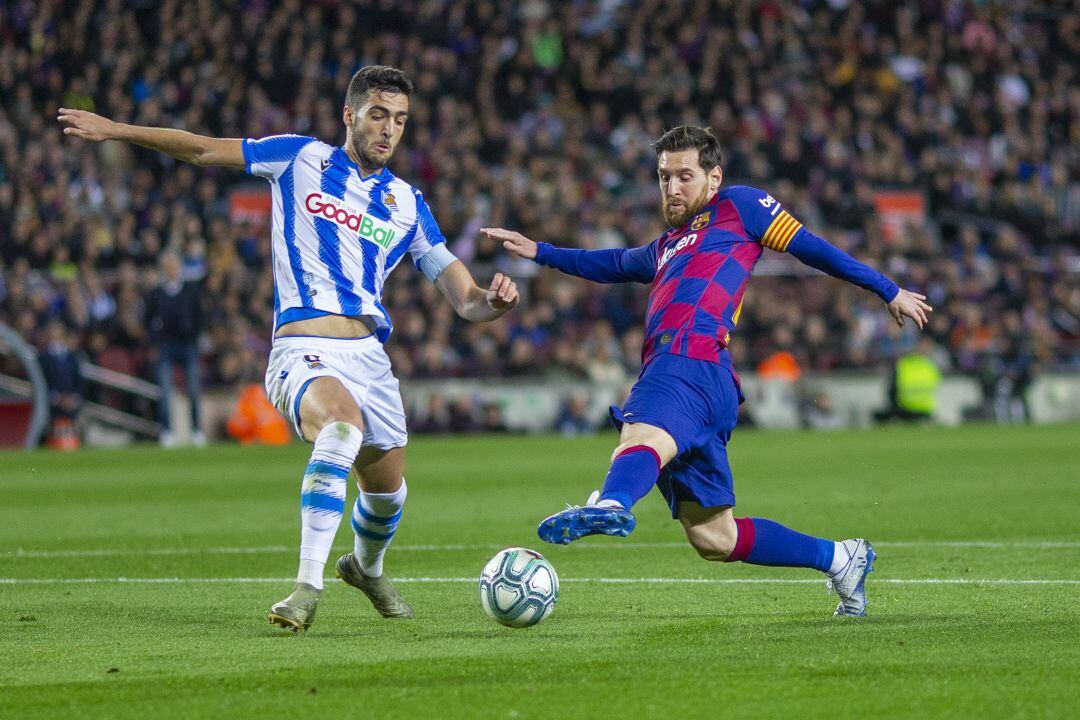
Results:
[313, 362]
[701, 220]
[665, 338]
[284, 374]
[389, 200]
[328, 207]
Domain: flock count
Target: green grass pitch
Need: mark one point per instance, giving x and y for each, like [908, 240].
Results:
[975, 604]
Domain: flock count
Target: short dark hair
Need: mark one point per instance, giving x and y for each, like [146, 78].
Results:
[689, 137]
[376, 77]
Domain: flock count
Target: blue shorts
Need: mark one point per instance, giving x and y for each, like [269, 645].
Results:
[697, 403]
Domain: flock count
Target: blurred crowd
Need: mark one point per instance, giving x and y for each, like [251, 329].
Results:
[538, 116]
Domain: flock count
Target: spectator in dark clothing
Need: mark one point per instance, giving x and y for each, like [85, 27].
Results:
[60, 364]
[174, 317]
[574, 416]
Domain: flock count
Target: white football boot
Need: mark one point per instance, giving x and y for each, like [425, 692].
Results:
[850, 581]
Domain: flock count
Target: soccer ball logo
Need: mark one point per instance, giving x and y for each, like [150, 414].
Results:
[518, 587]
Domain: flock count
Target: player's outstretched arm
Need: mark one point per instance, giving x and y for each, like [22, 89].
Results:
[471, 301]
[817, 252]
[182, 145]
[604, 266]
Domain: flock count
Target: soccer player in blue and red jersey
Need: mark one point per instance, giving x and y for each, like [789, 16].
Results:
[679, 416]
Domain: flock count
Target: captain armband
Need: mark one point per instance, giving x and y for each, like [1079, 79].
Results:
[780, 232]
[435, 261]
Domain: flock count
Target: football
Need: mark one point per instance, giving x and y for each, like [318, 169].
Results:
[518, 587]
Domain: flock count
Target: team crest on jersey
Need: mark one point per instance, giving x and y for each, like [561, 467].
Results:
[389, 200]
[701, 220]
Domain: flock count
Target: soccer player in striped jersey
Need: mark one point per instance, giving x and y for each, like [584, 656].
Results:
[679, 416]
[341, 223]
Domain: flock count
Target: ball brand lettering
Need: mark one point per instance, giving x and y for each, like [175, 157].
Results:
[670, 252]
[368, 228]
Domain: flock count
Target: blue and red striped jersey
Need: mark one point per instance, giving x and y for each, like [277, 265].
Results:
[699, 272]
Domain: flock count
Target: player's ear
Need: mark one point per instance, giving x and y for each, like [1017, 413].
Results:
[347, 116]
[716, 176]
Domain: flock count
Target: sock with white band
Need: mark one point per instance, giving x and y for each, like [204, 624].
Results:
[322, 497]
[374, 521]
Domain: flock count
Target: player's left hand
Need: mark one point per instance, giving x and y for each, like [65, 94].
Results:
[503, 293]
[909, 304]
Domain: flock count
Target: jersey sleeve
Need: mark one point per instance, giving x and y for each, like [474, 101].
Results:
[603, 266]
[269, 157]
[763, 218]
[428, 247]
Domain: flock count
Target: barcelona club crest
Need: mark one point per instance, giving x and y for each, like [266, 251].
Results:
[389, 200]
[701, 220]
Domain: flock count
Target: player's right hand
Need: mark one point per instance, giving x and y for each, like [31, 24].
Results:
[512, 241]
[87, 125]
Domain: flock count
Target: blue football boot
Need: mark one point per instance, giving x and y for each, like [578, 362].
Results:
[577, 521]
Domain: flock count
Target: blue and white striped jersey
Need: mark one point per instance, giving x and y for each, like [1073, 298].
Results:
[337, 235]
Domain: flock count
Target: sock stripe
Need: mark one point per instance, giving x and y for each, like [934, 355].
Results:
[377, 519]
[322, 501]
[636, 448]
[321, 467]
[744, 541]
[371, 534]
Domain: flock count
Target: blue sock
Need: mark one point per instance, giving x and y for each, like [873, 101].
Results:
[633, 473]
[766, 542]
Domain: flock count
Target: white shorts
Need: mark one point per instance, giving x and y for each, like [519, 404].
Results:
[363, 368]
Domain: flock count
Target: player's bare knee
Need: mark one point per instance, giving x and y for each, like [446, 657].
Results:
[714, 543]
[712, 548]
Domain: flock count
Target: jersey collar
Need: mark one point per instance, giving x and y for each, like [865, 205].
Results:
[342, 156]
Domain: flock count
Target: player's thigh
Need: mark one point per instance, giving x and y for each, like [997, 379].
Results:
[710, 530]
[327, 400]
[380, 471]
[649, 435]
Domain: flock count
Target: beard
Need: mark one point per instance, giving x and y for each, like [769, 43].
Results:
[678, 218]
[367, 160]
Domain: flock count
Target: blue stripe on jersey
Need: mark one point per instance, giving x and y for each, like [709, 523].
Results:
[401, 248]
[383, 333]
[376, 208]
[370, 253]
[432, 233]
[288, 203]
[333, 183]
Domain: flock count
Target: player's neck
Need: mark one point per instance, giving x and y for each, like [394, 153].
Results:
[365, 171]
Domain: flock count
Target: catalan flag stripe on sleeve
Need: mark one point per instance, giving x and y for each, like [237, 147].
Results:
[780, 232]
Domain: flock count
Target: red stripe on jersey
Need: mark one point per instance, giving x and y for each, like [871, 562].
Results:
[703, 264]
[728, 218]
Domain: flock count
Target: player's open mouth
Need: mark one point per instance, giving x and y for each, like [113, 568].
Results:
[382, 148]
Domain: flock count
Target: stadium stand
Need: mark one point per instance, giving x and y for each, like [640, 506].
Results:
[938, 141]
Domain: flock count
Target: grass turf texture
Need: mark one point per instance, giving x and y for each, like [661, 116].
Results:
[925, 496]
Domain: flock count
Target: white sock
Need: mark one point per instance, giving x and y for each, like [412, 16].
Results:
[374, 520]
[840, 558]
[322, 497]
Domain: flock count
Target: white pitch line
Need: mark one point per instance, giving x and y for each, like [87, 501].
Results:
[260, 549]
[602, 580]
